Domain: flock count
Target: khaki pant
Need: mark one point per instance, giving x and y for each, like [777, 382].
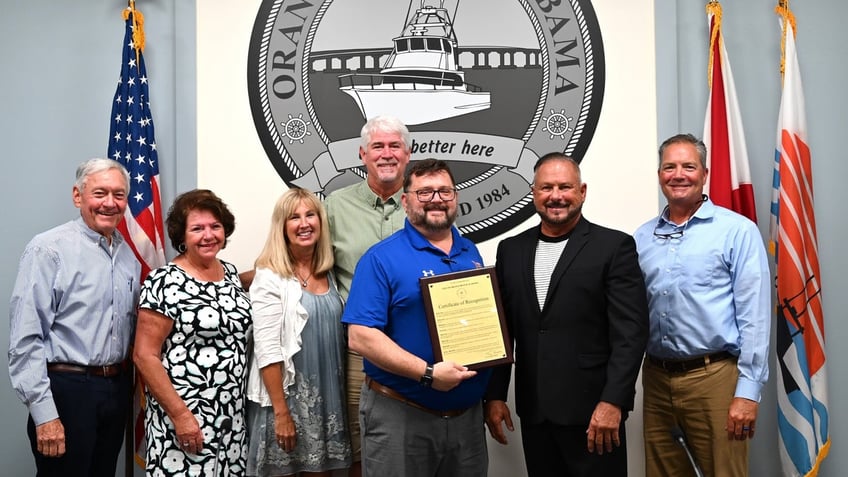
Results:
[697, 402]
[355, 378]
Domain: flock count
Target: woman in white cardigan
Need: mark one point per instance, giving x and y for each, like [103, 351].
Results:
[296, 411]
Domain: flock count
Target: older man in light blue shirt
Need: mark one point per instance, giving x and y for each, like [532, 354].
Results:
[709, 295]
[72, 315]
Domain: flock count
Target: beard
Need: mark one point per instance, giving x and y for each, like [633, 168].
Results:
[421, 219]
[571, 215]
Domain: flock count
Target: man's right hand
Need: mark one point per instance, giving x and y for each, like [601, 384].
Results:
[496, 413]
[51, 438]
[448, 375]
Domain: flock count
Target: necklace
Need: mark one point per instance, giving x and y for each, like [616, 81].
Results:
[304, 282]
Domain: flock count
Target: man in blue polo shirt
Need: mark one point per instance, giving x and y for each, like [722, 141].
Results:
[418, 417]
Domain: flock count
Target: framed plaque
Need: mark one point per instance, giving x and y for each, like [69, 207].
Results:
[466, 318]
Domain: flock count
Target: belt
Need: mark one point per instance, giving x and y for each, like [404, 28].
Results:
[392, 394]
[686, 365]
[107, 371]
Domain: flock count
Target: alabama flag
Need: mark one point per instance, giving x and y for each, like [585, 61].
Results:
[727, 157]
[802, 414]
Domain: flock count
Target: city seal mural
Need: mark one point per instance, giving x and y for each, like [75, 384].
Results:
[488, 85]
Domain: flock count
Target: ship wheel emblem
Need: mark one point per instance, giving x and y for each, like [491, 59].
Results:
[296, 128]
[557, 124]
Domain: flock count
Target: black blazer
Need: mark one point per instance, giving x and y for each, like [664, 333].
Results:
[587, 344]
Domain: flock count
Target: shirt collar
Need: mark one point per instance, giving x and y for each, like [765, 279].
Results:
[96, 236]
[420, 242]
[372, 199]
[705, 212]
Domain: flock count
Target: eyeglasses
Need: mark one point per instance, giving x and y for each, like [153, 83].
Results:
[673, 235]
[427, 195]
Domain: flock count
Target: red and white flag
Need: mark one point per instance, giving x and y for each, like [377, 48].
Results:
[727, 156]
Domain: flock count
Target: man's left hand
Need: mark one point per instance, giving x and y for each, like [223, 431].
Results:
[741, 419]
[603, 428]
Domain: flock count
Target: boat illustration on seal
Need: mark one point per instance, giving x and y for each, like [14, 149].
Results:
[421, 80]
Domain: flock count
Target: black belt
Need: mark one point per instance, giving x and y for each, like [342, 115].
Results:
[686, 365]
[106, 371]
[392, 394]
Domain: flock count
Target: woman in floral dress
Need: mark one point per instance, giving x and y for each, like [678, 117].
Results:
[191, 347]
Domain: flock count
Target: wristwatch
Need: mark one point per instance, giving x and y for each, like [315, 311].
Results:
[427, 379]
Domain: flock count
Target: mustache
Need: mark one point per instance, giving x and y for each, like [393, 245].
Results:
[556, 203]
[442, 207]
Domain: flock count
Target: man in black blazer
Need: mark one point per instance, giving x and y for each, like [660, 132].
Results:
[576, 306]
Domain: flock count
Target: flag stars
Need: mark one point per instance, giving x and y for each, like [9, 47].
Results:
[128, 138]
[139, 178]
[131, 81]
[132, 63]
[117, 156]
[139, 197]
[140, 159]
[129, 119]
[142, 141]
[118, 118]
[117, 136]
[130, 100]
[144, 80]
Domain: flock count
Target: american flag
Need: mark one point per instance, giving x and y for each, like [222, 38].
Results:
[132, 143]
[727, 156]
[802, 404]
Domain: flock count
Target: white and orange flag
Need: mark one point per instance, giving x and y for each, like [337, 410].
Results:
[802, 413]
[727, 156]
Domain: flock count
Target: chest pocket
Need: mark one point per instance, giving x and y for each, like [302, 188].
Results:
[702, 270]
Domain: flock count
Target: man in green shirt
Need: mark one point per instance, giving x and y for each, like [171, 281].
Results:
[361, 215]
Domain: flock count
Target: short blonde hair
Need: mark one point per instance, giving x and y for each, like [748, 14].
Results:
[276, 254]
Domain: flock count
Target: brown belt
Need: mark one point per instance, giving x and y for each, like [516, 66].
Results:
[686, 365]
[392, 394]
[107, 371]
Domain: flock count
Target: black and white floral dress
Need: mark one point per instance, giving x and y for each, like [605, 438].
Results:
[205, 356]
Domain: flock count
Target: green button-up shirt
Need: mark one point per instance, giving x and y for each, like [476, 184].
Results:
[359, 218]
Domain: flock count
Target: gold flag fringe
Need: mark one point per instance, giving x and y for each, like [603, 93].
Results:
[782, 9]
[714, 9]
[138, 27]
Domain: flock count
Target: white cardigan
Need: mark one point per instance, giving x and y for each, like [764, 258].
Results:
[278, 320]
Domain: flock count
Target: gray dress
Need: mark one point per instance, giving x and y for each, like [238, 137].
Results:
[315, 400]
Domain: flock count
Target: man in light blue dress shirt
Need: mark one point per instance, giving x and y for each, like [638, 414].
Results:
[709, 296]
[72, 315]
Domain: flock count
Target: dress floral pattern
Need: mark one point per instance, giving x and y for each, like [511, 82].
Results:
[205, 356]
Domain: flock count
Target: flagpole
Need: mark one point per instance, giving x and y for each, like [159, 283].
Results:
[129, 428]
[129, 434]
